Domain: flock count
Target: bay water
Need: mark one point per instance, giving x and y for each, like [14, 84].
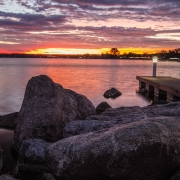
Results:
[90, 77]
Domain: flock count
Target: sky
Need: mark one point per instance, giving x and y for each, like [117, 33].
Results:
[88, 26]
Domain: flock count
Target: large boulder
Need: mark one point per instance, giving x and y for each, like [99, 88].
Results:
[146, 149]
[125, 114]
[32, 156]
[110, 118]
[8, 121]
[119, 116]
[47, 107]
[85, 107]
[82, 127]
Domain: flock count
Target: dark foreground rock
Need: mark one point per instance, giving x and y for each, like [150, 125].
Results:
[9, 121]
[102, 107]
[175, 175]
[1, 159]
[6, 177]
[82, 127]
[119, 116]
[47, 107]
[112, 93]
[32, 156]
[147, 149]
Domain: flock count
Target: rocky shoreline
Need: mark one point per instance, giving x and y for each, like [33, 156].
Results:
[59, 134]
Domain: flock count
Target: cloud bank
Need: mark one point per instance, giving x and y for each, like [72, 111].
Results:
[31, 24]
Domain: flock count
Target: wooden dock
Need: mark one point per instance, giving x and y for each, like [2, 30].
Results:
[160, 88]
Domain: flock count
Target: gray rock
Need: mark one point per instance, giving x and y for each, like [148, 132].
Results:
[47, 107]
[170, 109]
[32, 156]
[81, 127]
[85, 107]
[8, 121]
[6, 177]
[175, 176]
[112, 93]
[1, 159]
[102, 107]
[125, 114]
[119, 116]
[109, 118]
[147, 149]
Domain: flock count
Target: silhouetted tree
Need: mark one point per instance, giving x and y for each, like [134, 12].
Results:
[114, 51]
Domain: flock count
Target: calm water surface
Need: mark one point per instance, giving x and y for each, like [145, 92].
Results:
[89, 77]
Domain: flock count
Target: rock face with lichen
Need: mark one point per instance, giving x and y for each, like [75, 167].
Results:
[146, 149]
[47, 107]
[32, 156]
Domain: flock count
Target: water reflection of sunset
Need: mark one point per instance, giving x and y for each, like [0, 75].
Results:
[88, 77]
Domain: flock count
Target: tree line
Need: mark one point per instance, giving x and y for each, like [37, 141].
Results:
[113, 53]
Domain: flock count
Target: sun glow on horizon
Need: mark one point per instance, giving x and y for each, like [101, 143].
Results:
[63, 51]
[94, 51]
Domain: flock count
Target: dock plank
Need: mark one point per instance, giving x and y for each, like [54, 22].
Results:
[165, 83]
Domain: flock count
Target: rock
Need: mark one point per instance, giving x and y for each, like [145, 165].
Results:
[44, 176]
[6, 177]
[112, 93]
[31, 156]
[147, 149]
[81, 127]
[85, 107]
[47, 107]
[175, 176]
[119, 116]
[169, 110]
[144, 91]
[125, 114]
[102, 107]
[34, 176]
[1, 159]
[8, 121]
[159, 102]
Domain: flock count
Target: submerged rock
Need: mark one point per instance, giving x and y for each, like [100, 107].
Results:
[102, 107]
[47, 107]
[8, 121]
[112, 93]
[147, 149]
[144, 91]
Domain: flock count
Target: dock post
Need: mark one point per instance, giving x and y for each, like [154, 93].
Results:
[156, 94]
[147, 88]
[170, 97]
[155, 59]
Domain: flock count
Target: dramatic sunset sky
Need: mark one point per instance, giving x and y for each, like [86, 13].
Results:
[88, 26]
